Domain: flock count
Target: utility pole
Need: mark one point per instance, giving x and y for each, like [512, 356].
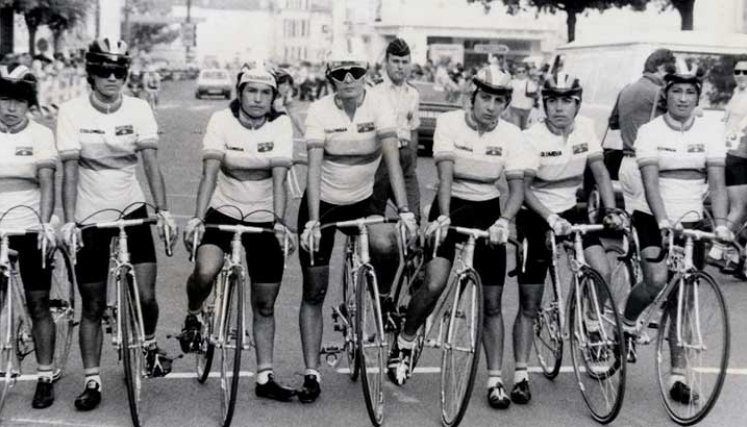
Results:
[188, 45]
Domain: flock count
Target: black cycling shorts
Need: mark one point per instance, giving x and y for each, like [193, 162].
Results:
[329, 213]
[649, 235]
[264, 256]
[489, 261]
[34, 278]
[736, 170]
[532, 227]
[93, 258]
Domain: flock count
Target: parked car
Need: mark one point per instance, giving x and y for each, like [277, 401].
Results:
[214, 81]
[433, 102]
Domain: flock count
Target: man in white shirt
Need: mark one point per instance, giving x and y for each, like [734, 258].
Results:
[522, 99]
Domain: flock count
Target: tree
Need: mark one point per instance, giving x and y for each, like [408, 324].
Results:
[64, 15]
[571, 7]
[685, 8]
[145, 35]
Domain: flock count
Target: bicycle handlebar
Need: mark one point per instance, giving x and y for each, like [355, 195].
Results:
[121, 223]
[688, 234]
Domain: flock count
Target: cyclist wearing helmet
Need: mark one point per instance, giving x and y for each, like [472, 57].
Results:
[564, 145]
[247, 152]
[472, 149]
[404, 100]
[347, 134]
[681, 157]
[99, 137]
[28, 160]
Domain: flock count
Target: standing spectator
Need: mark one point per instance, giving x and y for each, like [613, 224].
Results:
[305, 83]
[522, 99]
[443, 79]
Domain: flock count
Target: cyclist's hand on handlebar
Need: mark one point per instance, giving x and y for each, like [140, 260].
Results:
[723, 233]
[439, 228]
[408, 219]
[613, 219]
[499, 231]
[71, 236]
[46, 239]
[311, 236]
[166, 226]
[193, 232]
[285, 237]
[667, 233]
[559, 226]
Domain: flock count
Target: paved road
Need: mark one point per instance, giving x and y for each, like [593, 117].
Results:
[179, 401]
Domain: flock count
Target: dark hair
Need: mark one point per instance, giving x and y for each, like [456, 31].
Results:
[658, 58]
[397, 47]
[506, 97]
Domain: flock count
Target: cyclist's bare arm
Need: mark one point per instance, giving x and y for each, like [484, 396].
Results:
[531, 200]
[313, 181]
[46, 185]
[445, 179]
[717, 192]
[69, 188]
[279, 195]
[210, 168]
[604, 183]
[650, 177]
[390, 151]
[155, 177]
[515, 197]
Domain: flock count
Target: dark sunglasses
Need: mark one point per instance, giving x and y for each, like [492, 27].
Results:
[105, 72]
[340, 73]
[742, 72]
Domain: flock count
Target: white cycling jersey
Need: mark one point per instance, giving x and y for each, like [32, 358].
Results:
[558, 163]
[106, 147]
[22, 154]
[247, 157]
[479, 160]
[352, 148]
[682, 154]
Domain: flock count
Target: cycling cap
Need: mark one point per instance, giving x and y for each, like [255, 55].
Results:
[17, 82]
[106, 51]
[256, 74]
[562, 84]
[398, 47]
[493, 81]
[684, 74]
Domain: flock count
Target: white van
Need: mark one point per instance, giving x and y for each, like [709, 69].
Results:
[609, 62]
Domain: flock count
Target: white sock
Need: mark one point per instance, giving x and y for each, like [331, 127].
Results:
[149, 343]
[494, 378]
[263, 377]
[676, 377]
[44, 374]
[520, 374]
[717, 251]
[315, 373]
[405, 344]
[95, 378]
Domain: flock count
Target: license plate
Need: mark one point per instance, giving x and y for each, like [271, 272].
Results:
[215, 91]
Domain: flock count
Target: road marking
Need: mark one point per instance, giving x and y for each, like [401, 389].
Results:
[563, 369]
[173, 375]
[37, 422]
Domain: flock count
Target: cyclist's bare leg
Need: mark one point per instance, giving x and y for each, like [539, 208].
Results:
[263, 322]
[93, 298]
[654, 278]
[43, 326]
[492, 337]
[597, 260]
[530, 298]
[384, 254]
[200, 282]
[737, 206]
[425, 298]
[145, 274]
[315, 282]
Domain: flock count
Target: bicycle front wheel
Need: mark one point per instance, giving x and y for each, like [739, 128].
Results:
[597, 346]
[7, 330]
[62, 307]
[231, 345]
[461, 347]
[349, 304]
[548, 336]
[693, 348]
[131, 349]
[371, 344]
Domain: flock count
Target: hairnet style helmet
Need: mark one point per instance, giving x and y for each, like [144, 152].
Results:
[562, 84]
[345, 57]
[256, 73]
[106, 51]
[18, 82]
[493, 81]
[282, 75]
[684, 74]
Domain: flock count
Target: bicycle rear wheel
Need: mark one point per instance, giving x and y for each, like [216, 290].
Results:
[700, 354]
[371, 344]
[62, 307]
[461, 347]
[7, 330]
[204, 354]
[230, 348]
[131, 349]
[349, 334]
[597, 347]
[548, 336]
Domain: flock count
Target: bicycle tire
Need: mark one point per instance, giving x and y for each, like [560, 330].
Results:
[703, 288]
[62, 307]
[131, 350]
[466, 311]
[231, 346]
[371, 344]
[598, 354]
[349, 332]
[548, 336]
[7, 329]
[204, 354]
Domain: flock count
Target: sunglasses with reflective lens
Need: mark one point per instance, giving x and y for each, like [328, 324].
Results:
[340, 73]
[104, 71]
[742, 72]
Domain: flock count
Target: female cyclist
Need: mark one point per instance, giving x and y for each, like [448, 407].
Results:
[247, 151]
[28, 160]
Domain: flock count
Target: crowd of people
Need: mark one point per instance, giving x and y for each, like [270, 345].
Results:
[362, 144]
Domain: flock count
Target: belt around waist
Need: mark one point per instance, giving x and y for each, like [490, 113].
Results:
[628, 153]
